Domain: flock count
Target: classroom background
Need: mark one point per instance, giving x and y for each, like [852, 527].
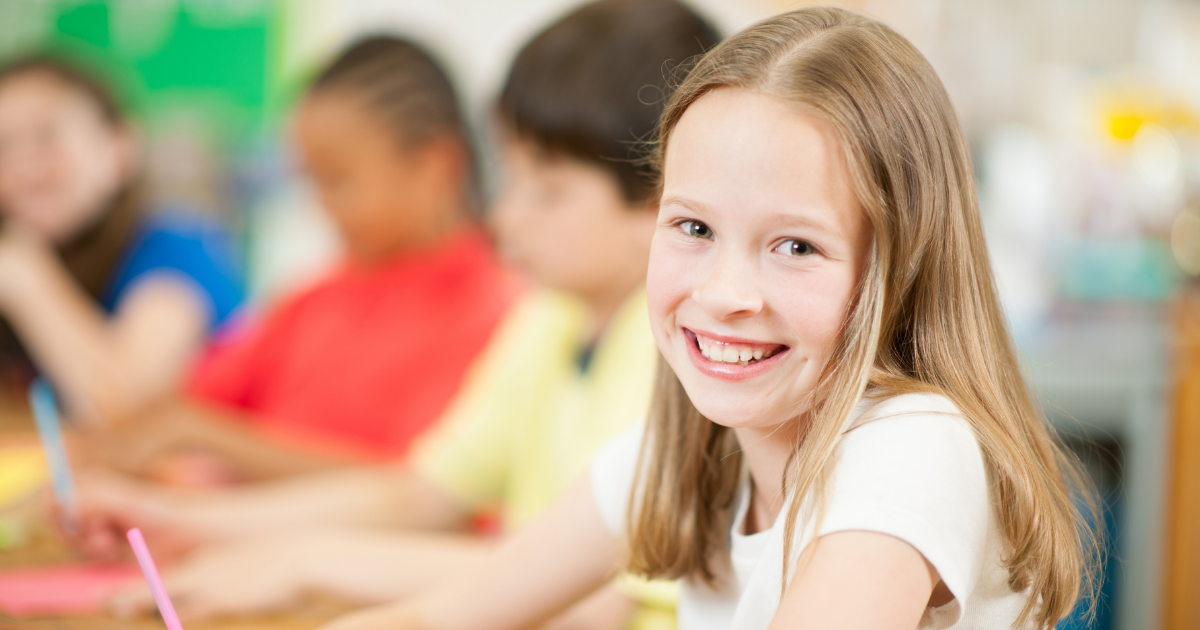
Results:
[1084, 123]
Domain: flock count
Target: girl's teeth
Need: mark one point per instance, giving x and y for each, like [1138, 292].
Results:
[729, 353]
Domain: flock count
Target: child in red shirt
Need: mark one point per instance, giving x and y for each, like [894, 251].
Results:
[369, 357]
[358, 365]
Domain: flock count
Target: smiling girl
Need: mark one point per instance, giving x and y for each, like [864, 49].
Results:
[840, 436]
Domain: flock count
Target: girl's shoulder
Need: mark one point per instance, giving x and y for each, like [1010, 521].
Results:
[929, 408]
[912, 438]
[189, 245]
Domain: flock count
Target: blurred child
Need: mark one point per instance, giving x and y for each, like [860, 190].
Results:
[571, 368]
[841, 436]
[359, 364]
[108, 299]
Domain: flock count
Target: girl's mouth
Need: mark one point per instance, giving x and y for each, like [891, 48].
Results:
[729, 358]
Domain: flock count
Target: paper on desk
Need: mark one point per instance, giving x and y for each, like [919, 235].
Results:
[71, 589]
[22, 470]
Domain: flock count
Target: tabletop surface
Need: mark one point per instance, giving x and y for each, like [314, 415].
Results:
[47, 548]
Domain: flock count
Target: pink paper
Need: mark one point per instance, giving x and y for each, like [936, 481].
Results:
[72, 589]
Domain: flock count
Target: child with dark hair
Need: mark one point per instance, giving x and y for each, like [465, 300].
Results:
[106, 297]
[591, 87]
[354, 367]
[570, 368]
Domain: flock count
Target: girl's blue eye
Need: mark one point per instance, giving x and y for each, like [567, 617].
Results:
[696, 229]
[795, 247]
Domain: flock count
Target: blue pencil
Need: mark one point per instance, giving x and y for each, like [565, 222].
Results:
[45, 414]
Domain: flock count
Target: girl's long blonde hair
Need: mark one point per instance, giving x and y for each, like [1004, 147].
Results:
[926, 318]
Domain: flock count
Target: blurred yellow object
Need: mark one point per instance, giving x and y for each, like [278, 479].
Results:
[22, 470]
[1125, 127]
[1124, 115]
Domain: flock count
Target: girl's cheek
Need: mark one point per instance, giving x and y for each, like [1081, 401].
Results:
[816, 305]
[662, 308]
[667, 279]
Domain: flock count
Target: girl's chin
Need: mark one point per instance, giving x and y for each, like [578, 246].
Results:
[723, 404]
[734, 416]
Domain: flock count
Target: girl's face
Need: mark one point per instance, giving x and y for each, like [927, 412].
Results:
[383, 196]
[60, 161]
[760, 245]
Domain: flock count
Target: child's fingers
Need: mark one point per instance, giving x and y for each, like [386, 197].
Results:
[215, 585]
[100, 539]
[94, 535]
[188, 597]
[205, 604]
[212, 601]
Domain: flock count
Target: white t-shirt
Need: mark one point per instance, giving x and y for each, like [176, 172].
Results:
[908, 466]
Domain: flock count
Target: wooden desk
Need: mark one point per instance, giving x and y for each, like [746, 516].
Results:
[48, 548]
[1183, 555]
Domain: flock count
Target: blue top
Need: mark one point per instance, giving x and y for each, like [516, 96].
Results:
[194, 248]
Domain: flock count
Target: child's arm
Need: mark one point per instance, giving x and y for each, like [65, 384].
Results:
[379, 497]
[559, 558]
[858, 580]
[227, 437]
[105, 367]
[267, 573]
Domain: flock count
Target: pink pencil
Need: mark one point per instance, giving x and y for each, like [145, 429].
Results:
[152, 578]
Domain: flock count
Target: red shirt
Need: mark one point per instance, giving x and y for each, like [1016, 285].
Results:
[370, 357]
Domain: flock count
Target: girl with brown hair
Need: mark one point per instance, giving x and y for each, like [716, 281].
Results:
[840, 436]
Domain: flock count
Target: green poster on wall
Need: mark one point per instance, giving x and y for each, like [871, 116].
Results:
[210, 58]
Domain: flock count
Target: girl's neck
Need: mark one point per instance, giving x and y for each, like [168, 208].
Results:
[766, 452]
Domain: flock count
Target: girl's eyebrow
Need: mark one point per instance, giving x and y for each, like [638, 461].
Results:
[690, 204]
[805, 220]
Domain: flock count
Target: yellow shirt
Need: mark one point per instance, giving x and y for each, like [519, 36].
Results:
[528, 419]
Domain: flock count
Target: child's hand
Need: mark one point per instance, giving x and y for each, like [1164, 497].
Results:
[110, 504]
[250, 576]
[134, 444]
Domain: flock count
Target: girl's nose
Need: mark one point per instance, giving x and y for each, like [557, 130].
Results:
[728, 289]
